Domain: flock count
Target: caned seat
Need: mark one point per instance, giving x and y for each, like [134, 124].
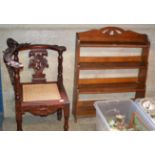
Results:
[40, 97]
[40, 92]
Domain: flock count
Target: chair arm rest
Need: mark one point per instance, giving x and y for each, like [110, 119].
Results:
[12, 51]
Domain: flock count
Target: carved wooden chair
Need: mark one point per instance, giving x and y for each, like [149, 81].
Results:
[38, 97]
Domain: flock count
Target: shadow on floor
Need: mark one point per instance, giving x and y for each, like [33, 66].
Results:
[50, 123]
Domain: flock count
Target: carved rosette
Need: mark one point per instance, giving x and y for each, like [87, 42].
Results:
[38, 62]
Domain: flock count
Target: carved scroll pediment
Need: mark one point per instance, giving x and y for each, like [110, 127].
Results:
[38, 62]
[112, 31]
[112, 34]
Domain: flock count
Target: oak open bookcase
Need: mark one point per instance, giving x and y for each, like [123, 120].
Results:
[108, 37]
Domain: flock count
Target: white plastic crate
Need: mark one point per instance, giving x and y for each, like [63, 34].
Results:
[108, 109]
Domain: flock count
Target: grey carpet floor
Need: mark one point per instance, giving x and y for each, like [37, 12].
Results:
[50, 123]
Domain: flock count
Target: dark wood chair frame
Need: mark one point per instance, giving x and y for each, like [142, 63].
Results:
[38, 52]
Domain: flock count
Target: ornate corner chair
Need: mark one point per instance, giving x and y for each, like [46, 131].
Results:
[38, 97]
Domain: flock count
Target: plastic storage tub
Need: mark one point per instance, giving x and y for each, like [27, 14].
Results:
[148, 107]
[105, 110]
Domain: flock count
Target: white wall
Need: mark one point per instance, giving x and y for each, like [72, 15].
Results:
[61, 35]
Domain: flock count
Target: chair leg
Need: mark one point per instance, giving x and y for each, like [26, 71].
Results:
[18, 119]
[66, 117]
[19, 122]
[59, 114]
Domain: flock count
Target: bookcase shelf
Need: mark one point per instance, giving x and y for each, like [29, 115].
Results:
[108, 37]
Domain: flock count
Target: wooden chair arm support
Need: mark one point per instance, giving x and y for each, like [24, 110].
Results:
[63, 93]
